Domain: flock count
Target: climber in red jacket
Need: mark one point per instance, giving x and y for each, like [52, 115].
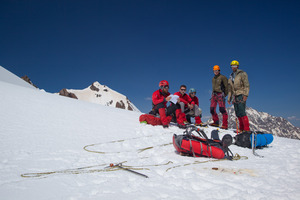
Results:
[160, 98]
[188, 105]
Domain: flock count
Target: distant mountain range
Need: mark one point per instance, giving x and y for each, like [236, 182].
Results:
[101, 94]
[261, 121]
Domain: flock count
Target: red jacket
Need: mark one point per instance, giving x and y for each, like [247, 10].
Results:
[185, 98]
[159, 97]
[196, 100]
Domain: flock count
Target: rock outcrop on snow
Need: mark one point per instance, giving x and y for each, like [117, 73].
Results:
[64, 92]
[101, 94]
[9, 77]
[261, 121]
[27, 79]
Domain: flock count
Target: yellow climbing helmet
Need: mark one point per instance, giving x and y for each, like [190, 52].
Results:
[235, 62]
[216, 67]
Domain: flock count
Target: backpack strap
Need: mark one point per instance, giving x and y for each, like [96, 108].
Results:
[191, 148]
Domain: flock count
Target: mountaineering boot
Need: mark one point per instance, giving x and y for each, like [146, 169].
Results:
[225, 121]
[214, 124]
[163, 117]
[241, 128]
[198, 121]
[224, 127]
[180, 118]
[216, 119]
[246, 123]
[214, 115]
[201, 125]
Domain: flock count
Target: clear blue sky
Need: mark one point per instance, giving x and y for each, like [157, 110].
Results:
[130, 45]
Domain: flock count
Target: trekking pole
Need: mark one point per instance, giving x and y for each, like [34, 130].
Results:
[119, 165]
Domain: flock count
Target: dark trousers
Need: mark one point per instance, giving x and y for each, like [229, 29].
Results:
[239, 106]
[171, 109]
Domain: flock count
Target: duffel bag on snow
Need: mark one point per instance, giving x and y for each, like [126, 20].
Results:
[189, 144]
[153, 120]
[260, 139]
[150, 119]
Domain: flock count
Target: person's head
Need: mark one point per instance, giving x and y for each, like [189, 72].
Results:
[216, 70]
[192, 92]
[234, 65]
[182, 89]
[164, 86]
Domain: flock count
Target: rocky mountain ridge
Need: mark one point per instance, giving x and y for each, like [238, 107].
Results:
[262, 121]
[100, 94]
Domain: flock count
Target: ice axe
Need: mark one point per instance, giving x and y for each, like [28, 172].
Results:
[119, 165]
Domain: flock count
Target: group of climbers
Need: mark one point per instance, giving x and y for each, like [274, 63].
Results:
[160, 98]
[186, 105]
[179, 111]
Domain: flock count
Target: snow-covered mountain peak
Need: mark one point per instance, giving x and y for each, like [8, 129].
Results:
[101, 94]
[97, 84]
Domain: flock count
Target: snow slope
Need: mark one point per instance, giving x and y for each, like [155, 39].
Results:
[7, 76]
[53, 147]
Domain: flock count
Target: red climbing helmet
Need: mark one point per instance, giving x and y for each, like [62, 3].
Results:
[163, 83]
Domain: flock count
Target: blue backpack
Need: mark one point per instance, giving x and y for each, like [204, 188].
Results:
[260, 139]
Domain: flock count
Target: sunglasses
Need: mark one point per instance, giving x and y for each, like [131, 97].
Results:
[234, 66]
[166, 86]
[193, 93]
[183, 89]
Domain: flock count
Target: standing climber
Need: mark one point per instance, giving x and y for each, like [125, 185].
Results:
[238, 87]
[220, 91]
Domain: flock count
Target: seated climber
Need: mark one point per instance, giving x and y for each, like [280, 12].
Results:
[196, 111]
[160, 98]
